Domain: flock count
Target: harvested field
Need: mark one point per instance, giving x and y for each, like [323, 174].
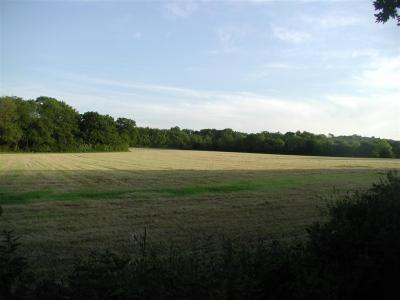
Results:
[67, 204]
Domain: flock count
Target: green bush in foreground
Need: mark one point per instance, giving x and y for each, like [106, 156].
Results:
[353, 254]
[356, 253]
[14, 274]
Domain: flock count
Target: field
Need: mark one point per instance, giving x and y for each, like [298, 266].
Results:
[66, 204]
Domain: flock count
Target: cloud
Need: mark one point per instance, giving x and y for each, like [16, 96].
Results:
[223, 50]
[332, 21]
[227, 39]
[280, 65]
[181, 8]
[225, 36]
[289, 35]
[166, 106]
[270, 69]
[136, 35]
[383, 73]
[374, 105]
[371, 115]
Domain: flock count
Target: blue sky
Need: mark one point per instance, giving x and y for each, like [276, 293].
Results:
[320, 66]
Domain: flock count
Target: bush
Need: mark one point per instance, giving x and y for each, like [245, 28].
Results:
[14, 275]
[356, 253]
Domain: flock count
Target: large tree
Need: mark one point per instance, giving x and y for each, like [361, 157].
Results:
[100, 131]
[59, 123]
[127, 130]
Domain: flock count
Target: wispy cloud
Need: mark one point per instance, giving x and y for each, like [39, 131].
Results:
[150, 105]
[136, 35]
[181, 8]
[381, 73]
[280, 65]
[326, 68]
[227, 39]
[371, 115]
[270, 69]
[290, 35]
[331, 21]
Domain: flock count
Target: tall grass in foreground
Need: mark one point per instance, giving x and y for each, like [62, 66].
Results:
[354, 253]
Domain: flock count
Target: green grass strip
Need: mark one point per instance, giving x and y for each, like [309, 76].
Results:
[270, 184]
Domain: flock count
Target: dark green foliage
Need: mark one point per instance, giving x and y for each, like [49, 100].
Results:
[100, 132]
[232, 271]
[356, 254]
[46, 124]
[353, 254]
[10, 131]
[299, 143]
[127, 130]
[14, 277]
[29, 122]
[57, 127]
[49, 125]
[387, 9]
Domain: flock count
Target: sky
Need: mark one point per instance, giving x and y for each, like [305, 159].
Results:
[254, 65]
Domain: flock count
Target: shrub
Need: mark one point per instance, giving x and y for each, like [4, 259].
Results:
[356, 253]
[14, 275]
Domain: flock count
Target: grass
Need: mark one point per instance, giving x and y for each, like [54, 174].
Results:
[66, 204]
[275, 184]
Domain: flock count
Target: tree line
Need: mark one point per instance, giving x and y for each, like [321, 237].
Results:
[49, 125]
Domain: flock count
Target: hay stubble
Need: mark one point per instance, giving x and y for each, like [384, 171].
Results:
[65, 204]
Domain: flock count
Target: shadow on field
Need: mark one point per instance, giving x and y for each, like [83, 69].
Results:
[351, 252]
[63, 213]
[23, 187]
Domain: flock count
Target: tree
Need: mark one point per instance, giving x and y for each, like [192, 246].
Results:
[59, 123]
[387, 9]
[10, 131]
[127, 130]
[100, 132]
[226, 141]
[28, 119]
[178, 138]
[384, 148]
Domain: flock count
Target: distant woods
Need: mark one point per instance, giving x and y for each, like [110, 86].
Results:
[49, 125]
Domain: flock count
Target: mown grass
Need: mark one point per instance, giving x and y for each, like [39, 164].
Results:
[274, 184]
[66, 204]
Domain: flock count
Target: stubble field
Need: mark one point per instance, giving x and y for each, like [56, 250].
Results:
[67, 204]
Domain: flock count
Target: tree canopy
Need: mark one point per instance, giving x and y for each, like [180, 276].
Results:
[46, 124]
[387, 9]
